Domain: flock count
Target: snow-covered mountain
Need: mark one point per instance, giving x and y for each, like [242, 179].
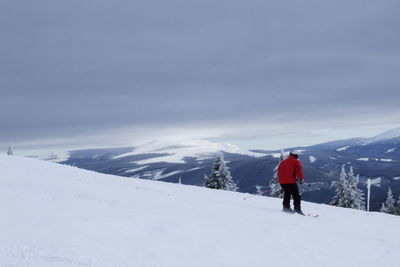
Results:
[189, 162]
[180, 150]
[55, 215]
[393, 133]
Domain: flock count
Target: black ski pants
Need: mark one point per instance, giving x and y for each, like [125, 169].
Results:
[291, 190]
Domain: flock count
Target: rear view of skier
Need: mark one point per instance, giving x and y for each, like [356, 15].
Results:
[288, 172]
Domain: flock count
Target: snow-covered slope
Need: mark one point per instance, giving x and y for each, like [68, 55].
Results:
[55, 215]
[393, 133]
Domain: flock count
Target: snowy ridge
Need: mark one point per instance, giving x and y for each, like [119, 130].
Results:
[57, 215]
[176, 153]
[393, 133]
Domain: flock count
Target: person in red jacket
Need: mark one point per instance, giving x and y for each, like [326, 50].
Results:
[289, 171]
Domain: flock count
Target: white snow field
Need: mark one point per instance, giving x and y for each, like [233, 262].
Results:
[55, 215]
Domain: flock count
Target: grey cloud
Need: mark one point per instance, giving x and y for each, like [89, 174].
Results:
[88, 66]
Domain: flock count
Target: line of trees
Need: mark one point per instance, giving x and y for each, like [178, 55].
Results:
[348, 195]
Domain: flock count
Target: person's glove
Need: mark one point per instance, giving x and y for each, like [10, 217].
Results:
[301, 181]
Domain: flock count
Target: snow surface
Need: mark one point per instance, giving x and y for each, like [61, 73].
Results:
[342, 148]
[54, 156]
[285, 153]
[275, 155]
[313, 159]
[176, 153]
[55, 215]
[160, 173]
[136, 169]
[391, 150]
[375, 159]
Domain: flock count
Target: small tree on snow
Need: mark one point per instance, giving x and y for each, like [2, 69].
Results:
[276, 189]
[10, 152]
[389, 205]
[357, 195]
[341, 199]
[220, 177]
[347, 193]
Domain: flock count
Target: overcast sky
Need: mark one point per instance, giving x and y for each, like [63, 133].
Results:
[263, 74]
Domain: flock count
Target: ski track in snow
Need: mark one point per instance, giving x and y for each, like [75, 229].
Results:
[55, 215]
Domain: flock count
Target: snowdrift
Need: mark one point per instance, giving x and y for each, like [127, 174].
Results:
[55, 215]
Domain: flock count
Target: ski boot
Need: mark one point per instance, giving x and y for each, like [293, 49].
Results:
[298, 211]
[287, 210]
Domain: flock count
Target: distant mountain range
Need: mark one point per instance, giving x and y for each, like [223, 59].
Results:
[189, 162]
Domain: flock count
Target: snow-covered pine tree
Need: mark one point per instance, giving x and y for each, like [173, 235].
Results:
[389, 205]
[275, 187]
[342, 197]
[220, 177]
[10, 151]
[347, 193]
[356, 194]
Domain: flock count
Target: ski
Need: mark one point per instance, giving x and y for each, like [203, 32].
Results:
[309, 215]
[302, 214]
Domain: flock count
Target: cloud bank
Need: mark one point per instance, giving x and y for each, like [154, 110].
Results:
[76, 71]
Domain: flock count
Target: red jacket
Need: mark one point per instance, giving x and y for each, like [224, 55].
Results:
[289, 170]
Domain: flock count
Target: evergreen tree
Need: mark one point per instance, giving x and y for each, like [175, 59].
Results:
[389, 205]
[356, 194]
[220, 177]
[347, 193]
[342, 197]
[276, 189]
[10, 152]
